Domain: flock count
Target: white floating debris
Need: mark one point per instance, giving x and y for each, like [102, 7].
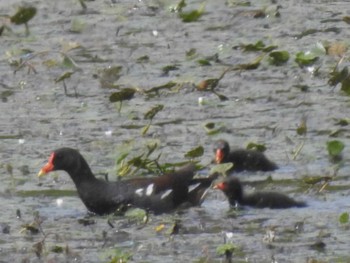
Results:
[59, 201]
[109, 133]
[155, 33]
[201, 101]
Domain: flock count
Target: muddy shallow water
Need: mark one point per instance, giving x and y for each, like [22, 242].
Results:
[264, 105]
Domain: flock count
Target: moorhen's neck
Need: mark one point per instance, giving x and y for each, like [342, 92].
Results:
[80, 172]
[233, 189]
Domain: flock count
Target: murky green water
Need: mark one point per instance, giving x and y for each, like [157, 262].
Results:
[264, 105]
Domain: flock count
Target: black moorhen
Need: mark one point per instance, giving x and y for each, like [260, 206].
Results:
[242, 159]
[233, 190]
[157, 194]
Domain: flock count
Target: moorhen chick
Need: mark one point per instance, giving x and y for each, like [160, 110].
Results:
[242, 159]
[233, 190]
[157, 194]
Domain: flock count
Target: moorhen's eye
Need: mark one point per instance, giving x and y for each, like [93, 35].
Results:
[58, 156]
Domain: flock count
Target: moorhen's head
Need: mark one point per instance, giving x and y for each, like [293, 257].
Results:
[221, 150]
[232, 188]
[65, 159]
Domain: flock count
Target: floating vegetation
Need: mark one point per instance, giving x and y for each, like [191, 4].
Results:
[178, 7]
[302, 127]
[190, 16]
[195, 152]
[256, 146]
[222, 168]
[344, 218]
[226, 250]
[62, 78]
[119, 256]
[258, 46]
[157, 89]
[254, 64]
[305, 58]
[278, 58]
[149, 115]
[335, 149]
[122, 95]
[23, 15]
[213, 128]
[169, 68]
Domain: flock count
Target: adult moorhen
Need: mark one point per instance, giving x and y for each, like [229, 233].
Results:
[157, 194]
[233, 190]
[242, 159]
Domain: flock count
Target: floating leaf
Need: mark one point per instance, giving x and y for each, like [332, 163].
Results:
[251, 65]
[191, 53]
[57, 249]
[194, 153]
[209, 125]
[222, 168]
[178, 7]
[302, 127]
[143, 59]
[77, 25]
[335, 148]
[344, 218]
[145, 129]
[305, 58]
[149, 115]
[211, 128]
[111, 73]
[225, 248]
[23, 15]
[259, 45]
[5, 94]
[192, 16]
[169, 68]
[156, 89]
[318, 49]
[346, 19]
[68, 62]
[342, 122]
[306, 33]
[64, 76]
[204, 62]
[136, 214]
[256, 146]
[279, 57]
[124, 94]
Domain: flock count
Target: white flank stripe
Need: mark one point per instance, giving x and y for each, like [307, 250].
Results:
[149, 189]
[193, 187]
[139, 192]
[167, 192]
